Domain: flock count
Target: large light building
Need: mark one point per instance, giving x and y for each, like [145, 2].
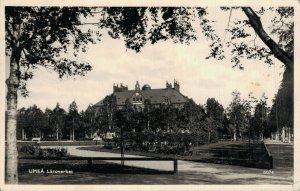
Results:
[139, 95]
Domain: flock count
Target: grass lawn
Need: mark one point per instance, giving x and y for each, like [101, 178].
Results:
[233, 153]
[283, 156]
[197, 173]
[106, 173]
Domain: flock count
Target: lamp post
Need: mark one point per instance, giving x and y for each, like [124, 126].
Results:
[122, 147]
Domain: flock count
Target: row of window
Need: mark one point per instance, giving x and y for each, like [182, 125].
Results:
[137, 99]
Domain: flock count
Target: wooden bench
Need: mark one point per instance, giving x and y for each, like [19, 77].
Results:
[37, 139]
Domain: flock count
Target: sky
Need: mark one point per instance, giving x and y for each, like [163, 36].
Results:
[199, 78]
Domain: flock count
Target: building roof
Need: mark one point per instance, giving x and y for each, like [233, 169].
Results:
[156, 96]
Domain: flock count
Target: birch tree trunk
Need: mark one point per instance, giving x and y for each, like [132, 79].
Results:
[57, 133]
[23, 134]
[234, 135]
[73, 134]
[12, 83]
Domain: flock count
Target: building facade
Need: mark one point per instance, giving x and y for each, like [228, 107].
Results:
[140, 95]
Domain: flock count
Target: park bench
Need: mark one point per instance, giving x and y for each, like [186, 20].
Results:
[36, 139]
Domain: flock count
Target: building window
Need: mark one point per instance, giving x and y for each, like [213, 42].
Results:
[133, 99]
[141, 99]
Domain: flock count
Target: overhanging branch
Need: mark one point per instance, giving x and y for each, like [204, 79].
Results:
[279, 53]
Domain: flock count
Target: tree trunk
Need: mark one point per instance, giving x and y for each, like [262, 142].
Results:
[282, 134]
[23, 134]
[234, 135]
[56, 133]
[277, 136]
[91, 128]
[289, 134]
[12, 103]
[73, 134]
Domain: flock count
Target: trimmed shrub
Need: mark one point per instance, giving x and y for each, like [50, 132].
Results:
[44, 152]
[30, 149]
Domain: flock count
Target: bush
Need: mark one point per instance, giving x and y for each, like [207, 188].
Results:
[53, 152]
[44, 152]
[30, 149]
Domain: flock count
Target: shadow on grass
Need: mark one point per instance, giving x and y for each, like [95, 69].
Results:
[252, 155]
[82, 166]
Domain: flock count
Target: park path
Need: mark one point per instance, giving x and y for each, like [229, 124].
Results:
[157, 165]
[194, 172]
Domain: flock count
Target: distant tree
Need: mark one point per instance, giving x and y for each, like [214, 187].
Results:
[89, 120]
[83, 127]
[282, 110]
[226, 130]
[57, 120]
[215, 111]
[260, 118]
[170, 113]
[72, 120]
[105, 116]
[22, 122]
[48, 128]
[148, 113]
[192, 117]
[191, 114]
[32, 121]
[238, 115]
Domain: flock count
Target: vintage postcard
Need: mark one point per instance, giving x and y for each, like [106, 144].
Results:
[149, 95]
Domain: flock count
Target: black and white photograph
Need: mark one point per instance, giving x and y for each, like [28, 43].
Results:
[149, 94]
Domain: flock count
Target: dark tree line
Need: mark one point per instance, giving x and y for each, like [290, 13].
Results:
[54, 124]
[163, 128]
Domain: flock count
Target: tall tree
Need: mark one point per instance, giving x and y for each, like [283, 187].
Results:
[57, 120]
[89, 120]
[37, 37]
[238, 115]
[215, 111]
[37, 121]
[73, 120]
[106, 113]
[260, 118]
[22, 122]
[48, 129]
[148, 111]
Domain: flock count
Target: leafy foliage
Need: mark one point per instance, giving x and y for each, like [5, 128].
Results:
[44, 152]
[41, 36]
[238, 114]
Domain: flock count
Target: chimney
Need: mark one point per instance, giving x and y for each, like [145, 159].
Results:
[176, 85]
[168, 85]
